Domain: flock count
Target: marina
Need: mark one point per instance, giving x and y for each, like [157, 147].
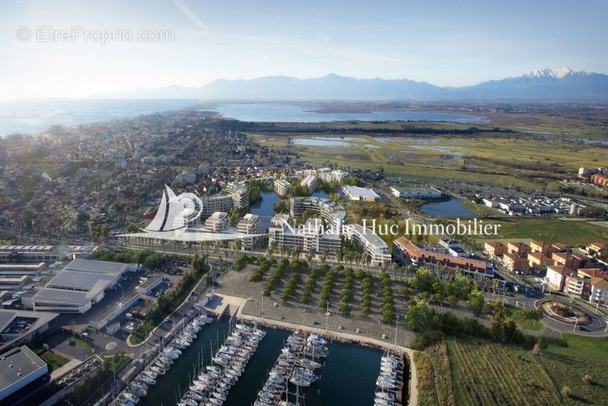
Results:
[230, 363]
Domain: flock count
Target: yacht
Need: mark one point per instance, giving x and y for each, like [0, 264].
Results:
[131, 397]
[147, 380]
[194, 395]
[308, 363]
[299, 381]
[158, 370]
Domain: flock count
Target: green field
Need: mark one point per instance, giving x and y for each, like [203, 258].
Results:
[519, 158]
[568, 366]
[583, 347]
[573, 233]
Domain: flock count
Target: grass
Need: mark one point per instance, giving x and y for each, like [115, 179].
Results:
[528, 324]
[487, 373]
[573, 233]
[583, 347]
[568, 365]
[522, 322]
[54, 360]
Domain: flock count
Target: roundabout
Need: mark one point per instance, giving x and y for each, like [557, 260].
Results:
[565, 313]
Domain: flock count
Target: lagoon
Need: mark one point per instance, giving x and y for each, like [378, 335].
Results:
[451, 208]
[265, 207]
[287, 113]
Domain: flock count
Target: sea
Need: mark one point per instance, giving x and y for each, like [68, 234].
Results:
[35, 116]
[347, 376]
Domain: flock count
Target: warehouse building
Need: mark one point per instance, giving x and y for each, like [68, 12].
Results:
[75, 289]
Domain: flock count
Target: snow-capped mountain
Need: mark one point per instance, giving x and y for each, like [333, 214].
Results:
[542, 84]
[559, 73]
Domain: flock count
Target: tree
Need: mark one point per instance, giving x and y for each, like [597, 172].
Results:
[419, 315]
[452, 300]
[423, 281]
[344, 308]
[566, 392]
[476, 301]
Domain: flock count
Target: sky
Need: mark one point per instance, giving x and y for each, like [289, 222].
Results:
[83, 48]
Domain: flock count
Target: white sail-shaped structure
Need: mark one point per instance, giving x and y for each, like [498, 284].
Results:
[174, 217]
[175, 212]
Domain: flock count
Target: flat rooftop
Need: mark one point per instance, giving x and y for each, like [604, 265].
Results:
[29, 248]
[80, 281]
[151, 281]
[93, 266]
[359, 191]
[125, 299]
[17, 364]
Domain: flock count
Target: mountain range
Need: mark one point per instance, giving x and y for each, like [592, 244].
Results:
[564, 84]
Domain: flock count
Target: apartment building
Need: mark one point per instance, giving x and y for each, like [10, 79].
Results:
[249, 224]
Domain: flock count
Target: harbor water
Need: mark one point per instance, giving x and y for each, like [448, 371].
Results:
[347, 377]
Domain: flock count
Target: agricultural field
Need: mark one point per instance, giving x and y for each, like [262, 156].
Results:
[471, 372]
[492, 374]
[568, 367]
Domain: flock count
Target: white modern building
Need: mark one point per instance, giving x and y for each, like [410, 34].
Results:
[325, 208]
[239, 192]
[372, 245]
[282, 187]
[249, 224]
[416, 193]
[328, 175]
[18, 368]
[599, 291]
[359, 193]
[312, 236]
[216, 203]
[310, 182]
[217, 222]
[75, 289]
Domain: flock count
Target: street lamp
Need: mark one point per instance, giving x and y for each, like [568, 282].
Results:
[396, 329]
